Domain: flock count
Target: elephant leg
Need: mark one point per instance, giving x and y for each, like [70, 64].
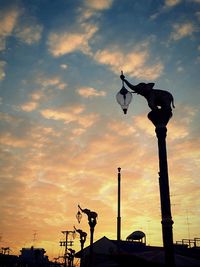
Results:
[151, 103]
[167, 105]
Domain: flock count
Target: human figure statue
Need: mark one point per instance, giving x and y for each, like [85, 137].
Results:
[156, 98]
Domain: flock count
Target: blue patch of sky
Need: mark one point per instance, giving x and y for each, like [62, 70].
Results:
[53, 15]
[132, 23]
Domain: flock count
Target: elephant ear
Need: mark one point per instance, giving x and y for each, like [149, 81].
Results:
[150, 85]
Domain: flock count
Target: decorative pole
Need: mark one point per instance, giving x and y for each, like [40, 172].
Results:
[160, 103]
[83, 236]
[118, 206]
[160, 119]
[92, 221]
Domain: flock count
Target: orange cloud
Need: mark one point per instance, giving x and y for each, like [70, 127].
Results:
[182, 30]
[30, 33]
[61, 170]
[90, 92]
[29, 106]
[67, 42]
[99, 5]
[133, 63]
[7, 23]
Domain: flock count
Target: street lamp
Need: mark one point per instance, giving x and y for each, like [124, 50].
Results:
[79, 216]
[124, 97]
[83, 236]
[160, 116]
[92, 221]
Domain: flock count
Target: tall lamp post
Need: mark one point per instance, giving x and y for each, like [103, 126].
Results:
[83, 236]
[159, 117]
[92, 221]
[119, 206]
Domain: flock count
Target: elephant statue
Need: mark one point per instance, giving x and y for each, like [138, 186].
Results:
[156, 98]
[92, 215]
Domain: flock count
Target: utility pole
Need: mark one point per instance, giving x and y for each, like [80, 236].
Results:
[66, 243]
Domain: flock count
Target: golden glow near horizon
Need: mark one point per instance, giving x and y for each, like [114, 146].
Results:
[63, 135]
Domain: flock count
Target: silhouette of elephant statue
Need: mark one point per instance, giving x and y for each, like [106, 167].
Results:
[156, 98]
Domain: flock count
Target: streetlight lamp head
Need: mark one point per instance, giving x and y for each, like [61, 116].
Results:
[124, 98]
[79, 216]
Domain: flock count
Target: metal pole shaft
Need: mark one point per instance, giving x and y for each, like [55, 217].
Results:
[167, 221]
[119, 207]
[91, 245]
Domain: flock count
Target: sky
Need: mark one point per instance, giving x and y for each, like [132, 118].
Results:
[63, 135]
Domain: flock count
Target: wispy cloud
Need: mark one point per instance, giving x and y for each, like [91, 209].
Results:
[24, 28]
[29, 106]
[8, 21]
[99, 5]
[54, 81]
[89, 92]
[67, 42]
[182, 30]
[92, 8]
[71, 114]
[2, 70]
[30, 33]
[134, 63]
[171, 3]
[168, 5]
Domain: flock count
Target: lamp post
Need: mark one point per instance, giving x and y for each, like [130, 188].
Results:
[160, 120]
[160, 117]
[119, 206]
[92, 221]
[83, 236]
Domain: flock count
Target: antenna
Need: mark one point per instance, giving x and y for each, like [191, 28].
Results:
[188, 225]
[34, 237]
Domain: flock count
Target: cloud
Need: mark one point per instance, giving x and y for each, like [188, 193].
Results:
[57, 170]
[67, 117]
[72, 114]
[2, 72]
[92, 8]
[54, 81]
[63, 43]
[30, 33]
[99, 5]
[8, 21]
[134, 63]
[9, 139]
[37, 95]
[182, 30]
[29, 106]
[90, 92]
[64, 66]
[23, 27]
[168, 5]
[171, 3]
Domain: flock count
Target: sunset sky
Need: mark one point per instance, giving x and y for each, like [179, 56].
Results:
[62, 133]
